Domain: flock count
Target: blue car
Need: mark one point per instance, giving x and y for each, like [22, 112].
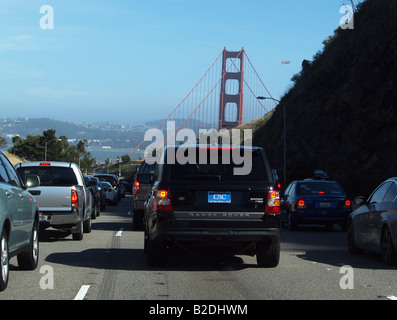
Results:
[315, 201]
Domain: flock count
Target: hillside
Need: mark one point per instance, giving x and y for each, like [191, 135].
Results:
[342, 111]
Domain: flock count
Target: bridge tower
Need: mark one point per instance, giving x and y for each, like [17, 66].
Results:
[231, 103]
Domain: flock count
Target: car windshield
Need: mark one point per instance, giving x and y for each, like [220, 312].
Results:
[50, 175]
[221, 170]
[319, 188]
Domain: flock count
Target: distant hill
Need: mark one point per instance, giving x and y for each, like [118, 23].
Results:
[342, 110]
[99, 134]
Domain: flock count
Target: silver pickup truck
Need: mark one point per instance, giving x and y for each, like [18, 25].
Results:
[64, 200]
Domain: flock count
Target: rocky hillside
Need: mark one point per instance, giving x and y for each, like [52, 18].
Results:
[342, 110]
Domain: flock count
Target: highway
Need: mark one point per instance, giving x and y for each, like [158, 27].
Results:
[109, 264]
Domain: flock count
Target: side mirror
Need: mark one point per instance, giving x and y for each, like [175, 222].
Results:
[32, 181]
[358, 202]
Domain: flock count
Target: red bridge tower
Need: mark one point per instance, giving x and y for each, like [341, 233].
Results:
[231, 104]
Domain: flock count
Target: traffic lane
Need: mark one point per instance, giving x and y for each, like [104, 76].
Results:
[310, 265]
[110, 264]
[326, 250]
[61, 259]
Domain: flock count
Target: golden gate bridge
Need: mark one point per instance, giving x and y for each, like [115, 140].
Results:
[225, 97]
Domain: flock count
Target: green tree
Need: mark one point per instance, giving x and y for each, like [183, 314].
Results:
[48, 147]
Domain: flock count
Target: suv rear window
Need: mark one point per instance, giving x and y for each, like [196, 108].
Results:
[50, 175]
[219, 171]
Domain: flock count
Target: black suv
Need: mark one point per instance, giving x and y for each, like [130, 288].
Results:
[204, 204]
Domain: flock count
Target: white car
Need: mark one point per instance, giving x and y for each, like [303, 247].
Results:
[112, 195]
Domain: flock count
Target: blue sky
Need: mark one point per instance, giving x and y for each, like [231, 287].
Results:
[132, 61]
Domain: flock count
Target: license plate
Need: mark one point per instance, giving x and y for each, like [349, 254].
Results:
[325, 205]
[219, 197]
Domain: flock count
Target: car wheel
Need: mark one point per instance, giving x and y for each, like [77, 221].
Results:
[268, 253]
[98, 211]
[388, 251]
[4, 260]
[78, 234]
[351, 242]
[156, 254]
[87, 225]
[28, 260]
[94, 211]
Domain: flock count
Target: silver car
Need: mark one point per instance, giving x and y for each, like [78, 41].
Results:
[373, 225]
[19, 221]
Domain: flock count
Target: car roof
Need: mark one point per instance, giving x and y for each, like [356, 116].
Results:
[316, 180]
[40, 163]
[394, 179]
[212, 146]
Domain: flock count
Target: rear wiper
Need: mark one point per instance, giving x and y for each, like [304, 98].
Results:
[212, 177]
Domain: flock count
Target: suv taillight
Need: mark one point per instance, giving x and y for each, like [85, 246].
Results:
[137, 189]
[273, 202]
[75, 199]
[162, 201]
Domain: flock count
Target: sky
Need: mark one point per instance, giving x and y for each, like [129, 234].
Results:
[130, 61]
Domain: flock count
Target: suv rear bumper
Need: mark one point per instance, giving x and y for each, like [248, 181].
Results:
[207, 230]
[224, 233]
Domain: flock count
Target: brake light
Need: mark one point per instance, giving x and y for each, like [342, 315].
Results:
[273, 202]
[163, 194]
[162, 201]
[348, 203]
[301, 204]
[75, 199]
[137, 187]
[45, 164]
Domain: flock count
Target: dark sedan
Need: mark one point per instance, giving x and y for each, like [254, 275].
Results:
[313, 201]
[373, 226]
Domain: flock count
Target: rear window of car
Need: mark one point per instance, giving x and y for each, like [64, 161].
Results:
[50, 175]
[221, 170]
[319, 188]
[110, 179]
[147, 168]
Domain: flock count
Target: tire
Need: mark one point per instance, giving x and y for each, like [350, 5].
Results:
[351, 242]
[156, 254]
[94, 211]
[388, 251]
[4, 261]
[87, 225]
[268, 253]
[78, 234]
[98, 211]
[28, 259]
